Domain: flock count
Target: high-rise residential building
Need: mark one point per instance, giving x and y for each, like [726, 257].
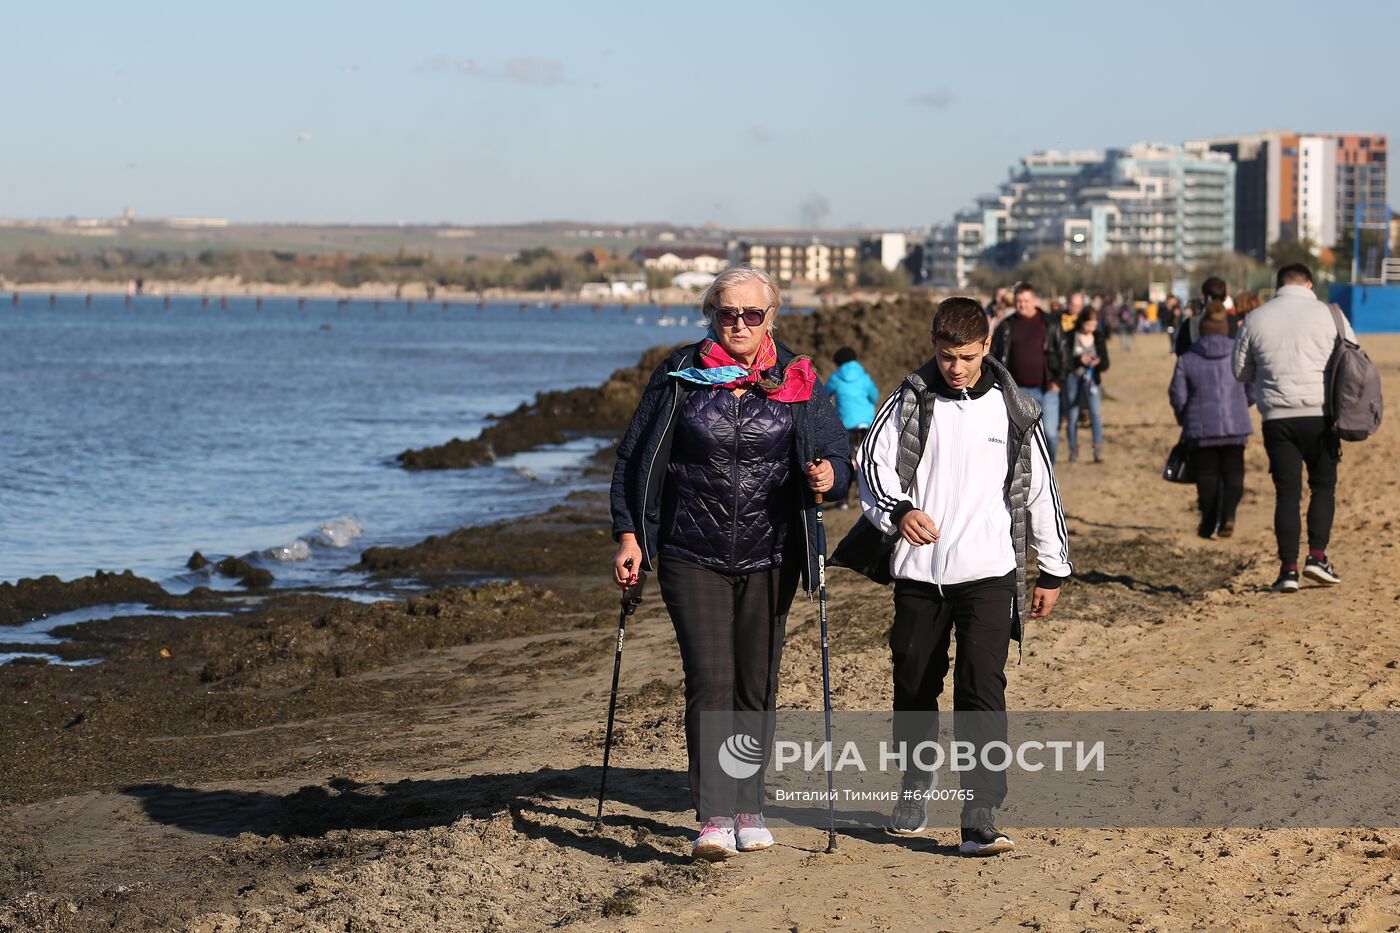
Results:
[1315, 187]
[1302, 186]
[1256, 159]
[1361, 176]
[953, 250]
[1163, 202]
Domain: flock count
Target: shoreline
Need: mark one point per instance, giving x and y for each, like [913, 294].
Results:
[432, 762]
[233, 287]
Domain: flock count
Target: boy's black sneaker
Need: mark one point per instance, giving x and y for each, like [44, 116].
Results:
[1321, 571]
[980, 835]
[910, 816]
[1287, 582]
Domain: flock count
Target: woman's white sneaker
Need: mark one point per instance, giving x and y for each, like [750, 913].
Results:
[753, 834]
[716, 840]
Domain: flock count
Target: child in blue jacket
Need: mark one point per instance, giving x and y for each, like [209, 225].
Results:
[855, 395]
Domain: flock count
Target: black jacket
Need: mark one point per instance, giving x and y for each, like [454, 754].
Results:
[645, 452]
[1054, 347]
[1190, 329]
[729, 497]
[1100, 350]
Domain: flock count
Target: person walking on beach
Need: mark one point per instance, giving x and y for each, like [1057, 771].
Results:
[1213, 410]
[855, 395]
[1213, 289]
[1169, 317]
[714, 489]
[1128, 324]
[1283, 348]
[1029, 345]
[955, 475]
[1086, 349]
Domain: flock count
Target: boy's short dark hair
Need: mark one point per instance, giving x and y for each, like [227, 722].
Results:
[1022, 287]
[959, 321]
[1295, 273]
[1214, 289]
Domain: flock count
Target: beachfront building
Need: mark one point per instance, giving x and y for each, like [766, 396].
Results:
[1298, 186]
[709, 259]
[1361, 177]
[1163, 202]
[888, 249]
[798, 263]
[953, 250]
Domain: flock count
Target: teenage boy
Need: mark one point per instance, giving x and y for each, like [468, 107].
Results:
[956, 475]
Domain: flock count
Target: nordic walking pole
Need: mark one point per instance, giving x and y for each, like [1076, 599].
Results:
[631, 598]
[826, 673]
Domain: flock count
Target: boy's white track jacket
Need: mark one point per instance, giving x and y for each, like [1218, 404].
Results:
[961, 484]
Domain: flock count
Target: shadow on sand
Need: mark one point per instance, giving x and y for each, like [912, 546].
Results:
[545, 804]
[553, 805]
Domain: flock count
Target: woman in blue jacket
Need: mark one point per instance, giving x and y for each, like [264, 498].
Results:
[1213, 410]
[715, 488]
[855, 395]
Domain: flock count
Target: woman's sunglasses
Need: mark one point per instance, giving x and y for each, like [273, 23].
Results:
[728, 317]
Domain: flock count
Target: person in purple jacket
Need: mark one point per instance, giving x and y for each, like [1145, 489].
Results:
[1213, 410]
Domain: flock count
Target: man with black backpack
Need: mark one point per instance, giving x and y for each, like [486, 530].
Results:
[1287, 348]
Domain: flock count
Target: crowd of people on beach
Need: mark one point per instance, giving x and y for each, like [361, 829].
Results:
[737, 443]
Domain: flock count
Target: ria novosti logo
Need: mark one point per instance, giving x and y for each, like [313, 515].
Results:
[741, 756]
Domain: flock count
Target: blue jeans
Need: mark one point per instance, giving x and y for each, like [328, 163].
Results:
[1049, 416]
[1083, 393]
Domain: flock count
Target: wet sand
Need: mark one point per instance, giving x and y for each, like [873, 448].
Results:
[431, 764]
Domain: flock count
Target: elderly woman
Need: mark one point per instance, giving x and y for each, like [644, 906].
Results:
[715, 487]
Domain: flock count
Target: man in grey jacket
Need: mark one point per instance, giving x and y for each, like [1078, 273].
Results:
[1284, 348]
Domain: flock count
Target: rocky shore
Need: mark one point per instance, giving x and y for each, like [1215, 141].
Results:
[878, 332]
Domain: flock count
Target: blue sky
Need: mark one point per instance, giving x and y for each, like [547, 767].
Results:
[874, 114]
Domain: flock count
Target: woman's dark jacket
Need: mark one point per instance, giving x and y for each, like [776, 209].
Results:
[645, 454]
[1072, 364]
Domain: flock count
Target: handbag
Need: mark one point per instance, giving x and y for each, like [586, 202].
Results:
[1178, 468]
[866, 550]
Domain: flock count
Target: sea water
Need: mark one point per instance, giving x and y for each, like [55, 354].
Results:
[132, 436]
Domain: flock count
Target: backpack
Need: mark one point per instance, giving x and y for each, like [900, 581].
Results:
[1352, 401]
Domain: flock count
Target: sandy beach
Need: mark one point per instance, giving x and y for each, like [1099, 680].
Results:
[432, 764]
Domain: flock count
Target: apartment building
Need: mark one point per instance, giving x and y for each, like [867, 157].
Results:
[1295, 186]
[1162, 202]
[797, 263]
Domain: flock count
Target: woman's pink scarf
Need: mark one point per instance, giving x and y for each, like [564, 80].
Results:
[717, 368]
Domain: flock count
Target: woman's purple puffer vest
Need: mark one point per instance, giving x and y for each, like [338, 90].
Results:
[727, 499]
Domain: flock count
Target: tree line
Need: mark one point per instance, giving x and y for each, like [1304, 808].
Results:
[535, 269]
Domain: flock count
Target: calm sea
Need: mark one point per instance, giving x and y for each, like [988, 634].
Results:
[130, 437]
